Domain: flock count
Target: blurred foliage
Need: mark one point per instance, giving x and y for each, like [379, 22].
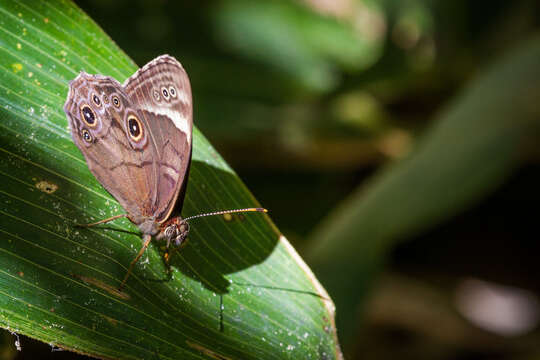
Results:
[460, 159]
[307, 99]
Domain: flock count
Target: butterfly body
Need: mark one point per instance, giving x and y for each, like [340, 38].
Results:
[136, 138]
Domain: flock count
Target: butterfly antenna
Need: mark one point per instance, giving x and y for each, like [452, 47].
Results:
[227, 212]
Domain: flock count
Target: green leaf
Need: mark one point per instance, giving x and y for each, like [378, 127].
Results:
[238, 289]
[473, 147]
[306, 45]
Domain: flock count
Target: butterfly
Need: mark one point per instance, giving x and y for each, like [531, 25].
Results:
[137, 140]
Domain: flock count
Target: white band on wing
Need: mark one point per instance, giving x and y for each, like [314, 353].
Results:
[178, 120]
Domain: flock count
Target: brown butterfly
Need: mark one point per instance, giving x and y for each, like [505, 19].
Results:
[137, 141]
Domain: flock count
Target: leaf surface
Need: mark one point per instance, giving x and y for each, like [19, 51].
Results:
[238, 290]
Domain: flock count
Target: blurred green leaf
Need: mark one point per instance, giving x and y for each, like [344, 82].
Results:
[238, 289]
[306, 45]
[473, 147]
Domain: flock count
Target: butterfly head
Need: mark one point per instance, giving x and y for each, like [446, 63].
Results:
[174, 231]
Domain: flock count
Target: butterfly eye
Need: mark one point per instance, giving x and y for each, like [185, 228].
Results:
[165, 93]
[116, 101]
[172, 91]
[96, 100]
[105, 99]
[88, 116]
[86, 136]
[156, 95]
[135, 128]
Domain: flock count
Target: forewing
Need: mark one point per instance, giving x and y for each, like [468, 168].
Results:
[162, 92]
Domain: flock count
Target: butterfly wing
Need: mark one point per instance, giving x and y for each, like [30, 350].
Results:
[119, 150]
[162, 92]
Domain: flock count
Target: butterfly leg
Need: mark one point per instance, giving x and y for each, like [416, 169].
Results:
[146, 238]
[169, 252]
[172, 250]
[166, 262]
[104, 220]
